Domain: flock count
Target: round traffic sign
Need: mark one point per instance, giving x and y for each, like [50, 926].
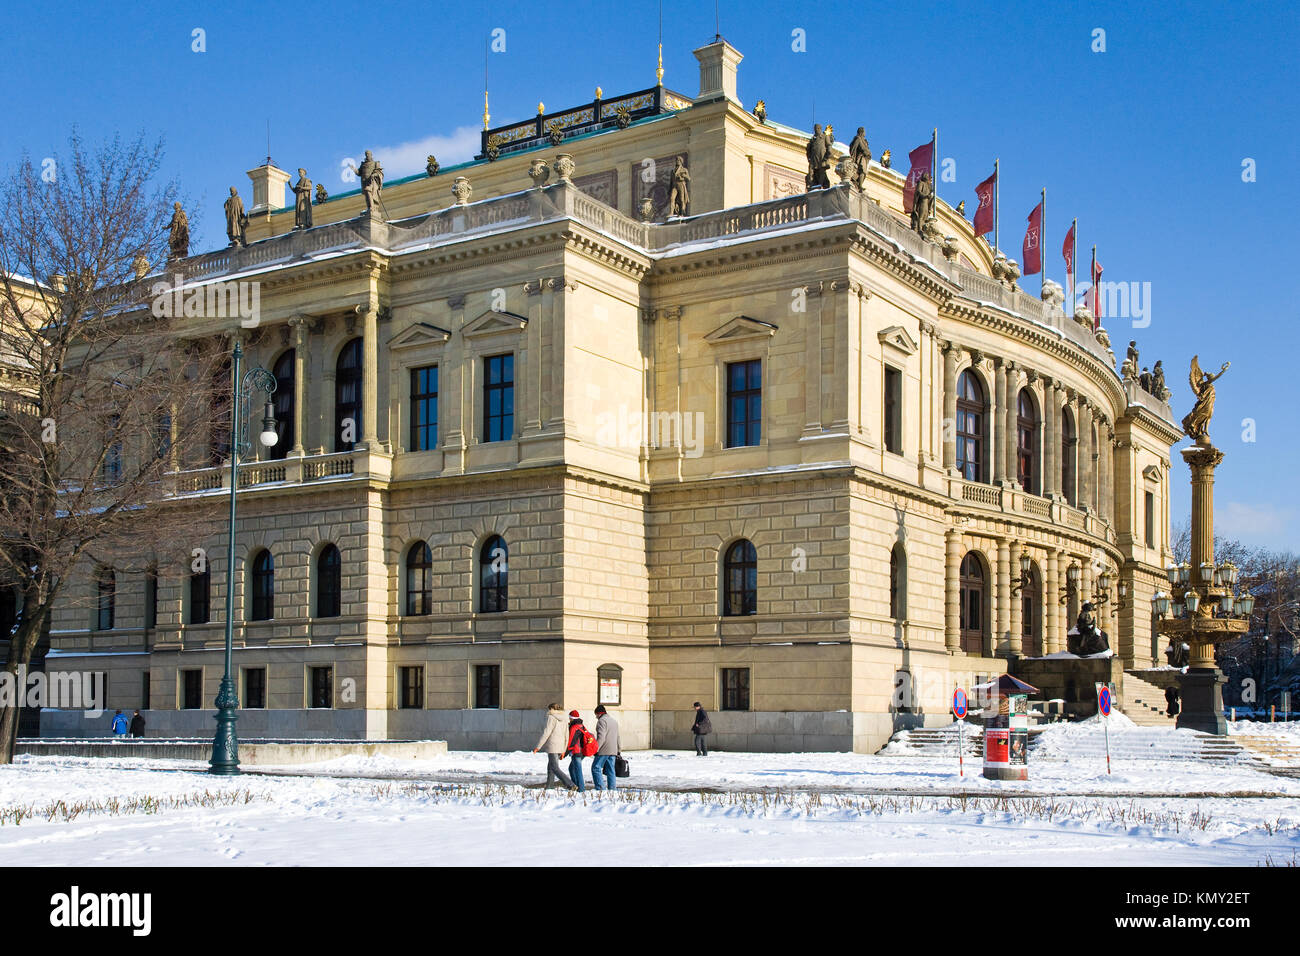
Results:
[1103, 701]
[959, 703]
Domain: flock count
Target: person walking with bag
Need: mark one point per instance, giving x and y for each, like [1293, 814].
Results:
[581, 744]
[701, 729]
[602, 768]
[552, 743]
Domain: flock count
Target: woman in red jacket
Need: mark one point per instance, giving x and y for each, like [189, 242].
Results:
[577, 737]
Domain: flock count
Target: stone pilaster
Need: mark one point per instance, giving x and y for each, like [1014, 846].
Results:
[1015, 644]
[952, 590]
[1084, 456]
[369, 374]
[997, 420]
[951, 353]
[1011, 431]
[1052, 603]
[1001, 642]
[299, 326]
[1051, 439]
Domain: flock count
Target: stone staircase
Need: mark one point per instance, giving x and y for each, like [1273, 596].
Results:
[1144, 703]
[1273, 750]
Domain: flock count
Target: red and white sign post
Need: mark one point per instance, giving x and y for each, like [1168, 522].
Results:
[1105, 698]
[959, 711]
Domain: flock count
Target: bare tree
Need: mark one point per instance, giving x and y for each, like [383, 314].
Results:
[103, 397]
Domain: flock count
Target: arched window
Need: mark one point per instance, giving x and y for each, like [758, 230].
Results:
[1031, 614]
[284, 410]
[973, 603]
[1068, 446]
[347, 397]
[493, 565]
[1027, 442]
[740, 580]
[106, 606]
[263, 608]
[329, 582]
[419, 579]
[897, 583]
[201, 596]
[972, 414]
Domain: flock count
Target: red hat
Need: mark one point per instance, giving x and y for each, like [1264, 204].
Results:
[574, 713]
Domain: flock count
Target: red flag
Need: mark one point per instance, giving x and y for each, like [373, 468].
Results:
[1067, 251]
[1096, 294]
[984, 214]
[1031, 251]
[922, 160]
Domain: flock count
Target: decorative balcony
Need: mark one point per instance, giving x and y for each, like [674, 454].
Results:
[1012, 500]
[285, 472]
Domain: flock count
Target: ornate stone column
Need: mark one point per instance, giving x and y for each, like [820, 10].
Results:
[1015, 644]
[1051, 439]
[952, 590]
[951, 353]
[1052, 603]
[1084, 456]
[1011, 431]
[1001, 645]
[370, 375]
[299, 325]
[997, 421]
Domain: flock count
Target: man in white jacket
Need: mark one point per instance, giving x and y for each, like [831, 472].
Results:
[555, 737]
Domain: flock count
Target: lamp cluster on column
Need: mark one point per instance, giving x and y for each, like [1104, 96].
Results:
[1209, 586]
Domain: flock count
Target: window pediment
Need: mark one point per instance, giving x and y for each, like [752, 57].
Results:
[896, 337]
[1152, 473]
[741, 327]
[490, 323]
[421, 333]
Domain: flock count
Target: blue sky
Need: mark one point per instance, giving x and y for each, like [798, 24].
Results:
[1144, 142]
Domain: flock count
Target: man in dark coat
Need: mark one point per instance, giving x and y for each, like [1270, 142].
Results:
[137, 725]
[701, 728]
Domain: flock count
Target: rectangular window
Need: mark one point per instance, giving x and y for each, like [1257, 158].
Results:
[151, 598]
[411, 695]
[322, 687]
[735, 688]
[255, 687]
[112, 467]
[487, 685]
[1151, 519]
[499, 398]
[164, 435]
[744, 403]
[144, 691]
[424, 408]
[893, 410]
[191, 689]
[200, 600]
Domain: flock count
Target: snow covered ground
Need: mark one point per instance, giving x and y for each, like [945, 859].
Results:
[745, 809]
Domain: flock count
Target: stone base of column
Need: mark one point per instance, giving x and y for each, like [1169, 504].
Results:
[1202, 701]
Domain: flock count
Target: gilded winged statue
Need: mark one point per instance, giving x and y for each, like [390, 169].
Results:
[1196, 424]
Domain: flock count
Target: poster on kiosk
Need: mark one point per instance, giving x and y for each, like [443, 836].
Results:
[1006, 730]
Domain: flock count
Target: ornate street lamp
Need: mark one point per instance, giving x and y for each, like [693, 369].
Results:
[225, 746]
[1071, 583]
[1022, 582]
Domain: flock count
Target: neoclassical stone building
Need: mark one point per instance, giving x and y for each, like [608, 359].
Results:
[781, 455]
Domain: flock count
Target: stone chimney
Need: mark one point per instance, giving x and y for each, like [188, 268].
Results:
[718, 62]
[268, 188]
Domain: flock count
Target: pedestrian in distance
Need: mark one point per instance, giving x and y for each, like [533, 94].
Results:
[120, 724]
[607, 748]
[552, 743]
[582, 743]
[137, 725]
[701, 729]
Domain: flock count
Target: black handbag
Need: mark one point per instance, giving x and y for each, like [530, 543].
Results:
[621, 767]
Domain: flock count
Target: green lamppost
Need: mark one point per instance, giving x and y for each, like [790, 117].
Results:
[225, 746]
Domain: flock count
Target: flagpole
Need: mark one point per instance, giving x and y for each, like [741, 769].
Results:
[934, 171]
[1074, 262]
[1042, 231]
[1092, 280]
[997, 189]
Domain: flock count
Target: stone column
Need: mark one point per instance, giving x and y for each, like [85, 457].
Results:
[1084, 456]
[1051, 439]
[812, 359]
[1011, 433]
[1000, 632]
[299, 325]
[997, 456]
[1103, 469]
[952, 590]
[951, 353]
[1016, 643]
[370, 376]
[1052, 604]
[1109, 450]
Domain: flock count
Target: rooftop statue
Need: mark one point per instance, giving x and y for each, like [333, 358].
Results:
[302, 204]
[178, 233]
[860, 153]
[371, 175]
[321, 194]
[1196, 424]
[922, 202]
[819, 160]
[235, 218]
[679, 198]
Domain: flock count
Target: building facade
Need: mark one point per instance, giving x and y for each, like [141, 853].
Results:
[782, 455]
